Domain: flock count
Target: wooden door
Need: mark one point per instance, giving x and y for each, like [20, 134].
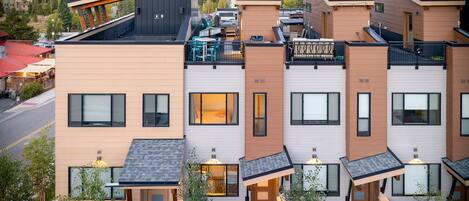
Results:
[408, 32]
[265, 191]
[323, 25]
[366, 192]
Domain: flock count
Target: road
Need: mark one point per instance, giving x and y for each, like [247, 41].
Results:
[17, 128]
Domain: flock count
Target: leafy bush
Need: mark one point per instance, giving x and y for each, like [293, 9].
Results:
[31, 90]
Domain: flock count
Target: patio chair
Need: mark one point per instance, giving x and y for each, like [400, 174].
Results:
[213, 51]
[196, 48]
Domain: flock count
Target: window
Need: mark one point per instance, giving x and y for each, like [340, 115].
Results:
[223, 180]
[465, 114]
[213, 108]
[156, 110]
[108, 175]
[416, 109]
[260, 118]
[379, 7]
[418, 179]
[96, 110]
[364, 107]
[308, 7]
[315, 109]
[328, 177]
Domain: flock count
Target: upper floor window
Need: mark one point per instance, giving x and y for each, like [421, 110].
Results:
[419, 179]
[213, 108]
[223, 180]
[308, 7]
[327, 177]
[379, 7]
[156, 110]
[96, 110]
[315, 109]
[465, 114]
[107, 175]
[260, 111]
[416, 109]
[363, 114]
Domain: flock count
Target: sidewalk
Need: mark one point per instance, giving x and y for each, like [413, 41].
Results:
[34, 102]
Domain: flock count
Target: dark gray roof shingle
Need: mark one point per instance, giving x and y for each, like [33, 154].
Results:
[268, 164]
[153, 162]
[461, 167]
[372, 165]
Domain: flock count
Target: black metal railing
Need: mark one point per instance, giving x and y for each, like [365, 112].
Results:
[315, 52]
[416, 53]
[213, 52]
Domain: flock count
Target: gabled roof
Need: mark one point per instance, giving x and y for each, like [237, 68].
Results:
[459, 169]
[22, 49]
[373, 168]
[153, 162]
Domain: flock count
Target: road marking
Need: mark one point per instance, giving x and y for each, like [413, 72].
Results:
[28, 136]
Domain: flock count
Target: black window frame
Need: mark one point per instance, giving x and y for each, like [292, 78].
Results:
[156, 106]
[379, 10]
[86, 123]
[308, 7]
[226, 178]
[402, 176]
[87, 167]
[368, 133]
[461, 118]
[393, 123]
[226, 108]
[302, 109]
[327, 193]
[254, 118]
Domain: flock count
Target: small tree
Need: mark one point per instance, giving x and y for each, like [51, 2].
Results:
[14, 183]
[65, 15]
[16, 25]
[54, 27]
[299, 192]
[194, 184]
[40, 157]
[91, 187]
[292, 4]
[221, 4]
[428, 195]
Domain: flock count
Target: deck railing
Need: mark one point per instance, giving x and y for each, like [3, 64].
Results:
[416, 53]
[315, 52]
[213, 52]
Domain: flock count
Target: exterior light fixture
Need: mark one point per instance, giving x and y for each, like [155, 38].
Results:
[415, 158]
[314, 158]
[213, 158]
[99, 162]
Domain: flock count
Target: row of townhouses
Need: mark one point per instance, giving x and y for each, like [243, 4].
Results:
[378, 101]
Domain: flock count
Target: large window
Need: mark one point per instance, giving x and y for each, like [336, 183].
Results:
[465, 114]
[96, 110]
[108, 175]
[213, 108]
[156, 110]
[260, 111]
[223, 180]
[418, 179]
[364, 113]
[315, 109]
[416, 109]
[328, 177]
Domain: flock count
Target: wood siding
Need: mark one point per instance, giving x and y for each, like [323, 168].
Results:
[264, 73]
[315, 19]
[366, 72]
[348, 22]
[439, 23]
[456, 146]
[129, 69]
[258, 20]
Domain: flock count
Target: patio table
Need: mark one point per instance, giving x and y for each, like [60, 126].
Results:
[205, 40]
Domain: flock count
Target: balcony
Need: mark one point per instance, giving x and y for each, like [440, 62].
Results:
[416, 53]
[208, 51]
[315, 52]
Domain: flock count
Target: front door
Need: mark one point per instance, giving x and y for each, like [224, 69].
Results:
[324, 25]
[265, 191]
[408, 33]
[461, 192]
[156, 195]
[366, 192]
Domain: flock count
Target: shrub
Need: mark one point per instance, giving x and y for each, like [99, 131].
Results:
[31, 90]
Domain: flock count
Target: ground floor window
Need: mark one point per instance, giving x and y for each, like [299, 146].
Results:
[328, 177]
[419, 179]
[108, 175]
[222, 179]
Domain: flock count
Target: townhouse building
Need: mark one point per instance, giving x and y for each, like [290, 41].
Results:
[377, 101]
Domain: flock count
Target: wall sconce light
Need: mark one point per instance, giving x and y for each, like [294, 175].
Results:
[213, 158]
[99, 162]
[314, 158]
[415, 157]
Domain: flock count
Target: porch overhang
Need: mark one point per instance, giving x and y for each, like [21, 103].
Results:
[266, 168]
[373, 168]
[458, 169]
[153, 164]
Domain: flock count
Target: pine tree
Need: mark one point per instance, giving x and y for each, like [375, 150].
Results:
[65, 15]
[16, 25]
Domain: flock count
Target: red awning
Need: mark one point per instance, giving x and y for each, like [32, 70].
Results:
[14, 48]
[12, 63]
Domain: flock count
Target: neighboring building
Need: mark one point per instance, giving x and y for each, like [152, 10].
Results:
[377, 118]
